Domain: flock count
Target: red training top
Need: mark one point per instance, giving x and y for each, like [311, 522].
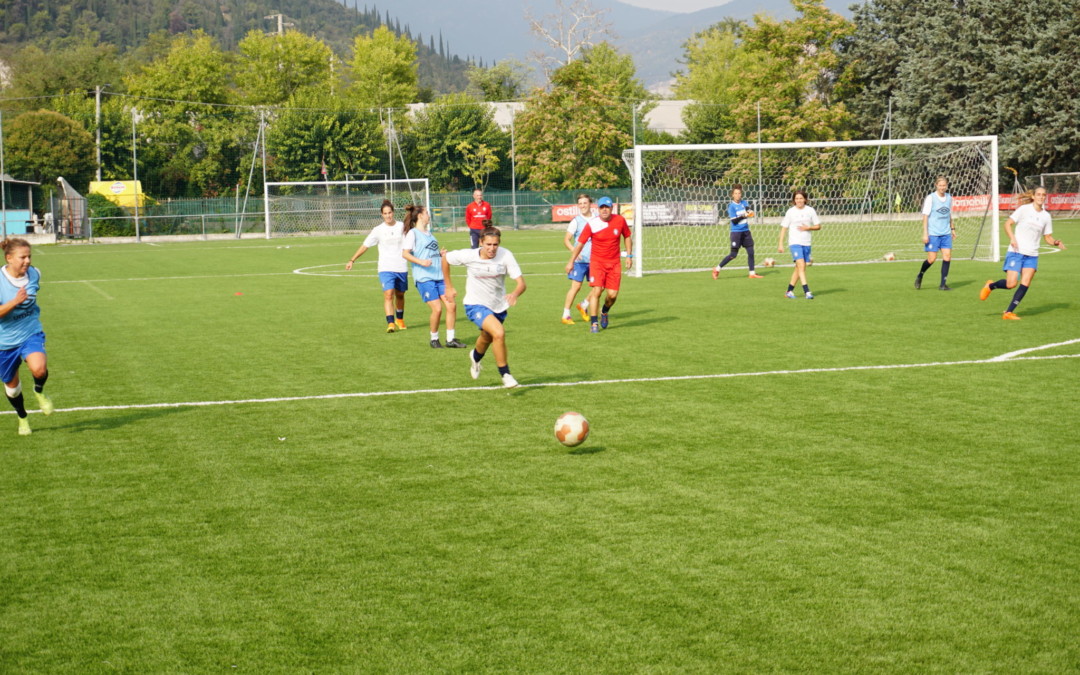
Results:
[476, 214]
[605, 237]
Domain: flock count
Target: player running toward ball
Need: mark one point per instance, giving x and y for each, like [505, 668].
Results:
[799, 221]
[486, 300]
[938, 231]
[22, 337]
[1032, 222]
[421, 249]
[739, 214]
[605, 268]
[581, 267]
[393, 270]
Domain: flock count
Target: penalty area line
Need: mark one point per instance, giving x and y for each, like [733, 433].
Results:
[580, 383]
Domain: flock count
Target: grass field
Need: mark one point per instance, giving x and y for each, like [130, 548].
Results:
[245, 473]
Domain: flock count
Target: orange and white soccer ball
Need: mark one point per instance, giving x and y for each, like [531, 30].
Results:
[571, 429]
[890, 256]
[769, 262]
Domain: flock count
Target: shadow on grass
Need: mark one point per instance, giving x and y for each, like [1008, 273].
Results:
[824, 291]
[114, 421]
[960, 284]
[1042, 309]
[592, 450]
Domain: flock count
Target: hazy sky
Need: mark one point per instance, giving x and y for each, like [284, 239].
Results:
[676, 5]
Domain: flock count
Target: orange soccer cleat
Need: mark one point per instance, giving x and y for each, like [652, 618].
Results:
[985, 292]
[1009, 316]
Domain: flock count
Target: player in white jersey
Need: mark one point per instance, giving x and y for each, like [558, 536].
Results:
[581, 267]
[799, 221]
[938, 231]
[422, 250]
[22, 337]
[1032, 223]
[393, 270]
[486, 300]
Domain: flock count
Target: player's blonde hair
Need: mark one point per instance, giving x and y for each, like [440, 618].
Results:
[1029, 196]
[12, 243]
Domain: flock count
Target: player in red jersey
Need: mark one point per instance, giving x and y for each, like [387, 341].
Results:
[476, 213]
[605, 270]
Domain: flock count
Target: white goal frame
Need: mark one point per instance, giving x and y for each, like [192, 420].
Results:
[636, 171]
[405, 185]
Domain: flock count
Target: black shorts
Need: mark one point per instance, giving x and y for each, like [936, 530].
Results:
[741, 239]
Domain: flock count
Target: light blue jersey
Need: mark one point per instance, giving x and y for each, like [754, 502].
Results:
[425, 247]
[575, 227]
[19, 324]
[939, 219]
[736, 212]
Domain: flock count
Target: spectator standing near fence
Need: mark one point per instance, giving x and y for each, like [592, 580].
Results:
[476, 213]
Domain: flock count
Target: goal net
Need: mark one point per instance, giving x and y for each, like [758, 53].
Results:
[1063, 192]
[336, 207]
[869, 195]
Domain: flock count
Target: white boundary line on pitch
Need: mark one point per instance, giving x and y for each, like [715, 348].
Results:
[1004, 358]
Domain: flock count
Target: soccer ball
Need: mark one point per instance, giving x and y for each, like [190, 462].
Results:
[890, 256]
[571, 429]
[769, 262]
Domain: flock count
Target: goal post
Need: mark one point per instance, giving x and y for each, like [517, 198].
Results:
[869, 195]
[1063, 190]
[336, 207]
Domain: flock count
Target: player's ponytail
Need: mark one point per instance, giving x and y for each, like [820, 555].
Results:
[412, 213]
[1026, 197]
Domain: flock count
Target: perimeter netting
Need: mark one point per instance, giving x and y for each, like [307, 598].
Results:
[869, 196]
[337, 207]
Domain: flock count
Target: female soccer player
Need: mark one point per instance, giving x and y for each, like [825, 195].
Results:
[393, 270]
[22, 337]
[1032, 221]
[739, 214]
[937, 231]
[486, 300]
[581, 266]
[420, 248]
[799, 221]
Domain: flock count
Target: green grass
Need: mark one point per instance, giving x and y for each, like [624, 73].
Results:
[901, 520]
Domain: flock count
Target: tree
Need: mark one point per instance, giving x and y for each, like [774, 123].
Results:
[971, 68]
[44, 145]
[456, 143]
[271, 68]
[384, 70]
[80, 67]
[572, 136]
[568, 31]
[504, 81]
[115, 130]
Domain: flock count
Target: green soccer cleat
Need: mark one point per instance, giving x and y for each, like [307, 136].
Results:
[45, 404]
[24, 427]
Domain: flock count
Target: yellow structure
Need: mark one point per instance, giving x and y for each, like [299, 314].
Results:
[120, 192]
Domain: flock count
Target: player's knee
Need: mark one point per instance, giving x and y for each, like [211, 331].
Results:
[13, 390]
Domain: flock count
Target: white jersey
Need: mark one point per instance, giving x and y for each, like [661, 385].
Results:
[486, 281]
[796, 217]
[389, 239]
[1031, 226]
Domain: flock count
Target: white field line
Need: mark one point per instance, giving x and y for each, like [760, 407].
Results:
[671, 378]
[103, 293]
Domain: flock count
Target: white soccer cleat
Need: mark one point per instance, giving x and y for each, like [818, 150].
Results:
[44, 403]
[508, 381]
[474, 366]
[24, 427]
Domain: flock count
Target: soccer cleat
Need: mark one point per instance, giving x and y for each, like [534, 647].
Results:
[809, 295]
[755, 276]
[918, 283]
[44, 403]
[390, 328]
[985, 292]
[944, 287]
[474, 367]
[400, 323]
[584, 312]
[508, 381]
[603, 320]
[790, 295]
[716, 273]
[435, 344]
[1009, 316]
[567, 321]
[24, 427]
[594, 329]
[456, 344]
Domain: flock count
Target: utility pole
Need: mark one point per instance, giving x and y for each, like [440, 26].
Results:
[280, 22]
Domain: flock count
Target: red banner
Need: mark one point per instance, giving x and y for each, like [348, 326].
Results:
[1068, 201]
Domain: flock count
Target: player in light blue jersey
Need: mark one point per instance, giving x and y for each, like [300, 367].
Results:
[22, 337]
[421, 249]
[580, 271]
[739, 214]
[937, 231]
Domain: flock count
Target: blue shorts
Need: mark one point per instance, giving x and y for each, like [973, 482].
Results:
[10, 359]
[800, 252]
[580, 271]
[1014, 262]
[477, 314]
[938, 242]
[394, 281]
[431, 290]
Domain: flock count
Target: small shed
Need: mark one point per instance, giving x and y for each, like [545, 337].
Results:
[17, 207]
